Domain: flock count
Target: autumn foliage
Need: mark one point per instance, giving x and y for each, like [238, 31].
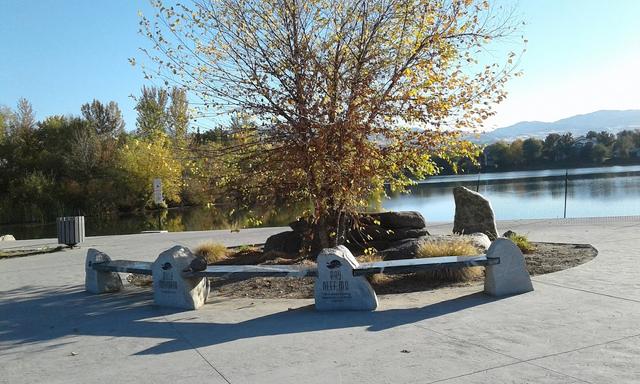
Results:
[345, 96]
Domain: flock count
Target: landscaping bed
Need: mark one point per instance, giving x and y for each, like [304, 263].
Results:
[545, 258]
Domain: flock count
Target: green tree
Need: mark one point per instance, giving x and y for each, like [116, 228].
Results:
[599, 153]
[105, 119]
[141, 161]
[532, 150]
[178, 117]
[152, 111]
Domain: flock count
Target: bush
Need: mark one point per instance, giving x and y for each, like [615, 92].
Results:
[212, 251]
[522, 242]
[453, 247]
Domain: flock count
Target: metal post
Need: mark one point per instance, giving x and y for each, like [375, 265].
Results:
[566, 187]
[478, 183]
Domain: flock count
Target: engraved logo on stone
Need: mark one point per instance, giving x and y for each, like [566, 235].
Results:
[335, 289]
[167, 284]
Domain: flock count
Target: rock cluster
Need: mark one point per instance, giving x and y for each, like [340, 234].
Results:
[382, 230]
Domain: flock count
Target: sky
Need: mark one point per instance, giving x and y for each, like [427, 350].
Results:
[581, 56]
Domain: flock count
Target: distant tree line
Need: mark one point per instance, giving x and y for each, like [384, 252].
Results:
[555, 151]
[89, 164]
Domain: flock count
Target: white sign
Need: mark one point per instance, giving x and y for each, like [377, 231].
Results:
[157, 191]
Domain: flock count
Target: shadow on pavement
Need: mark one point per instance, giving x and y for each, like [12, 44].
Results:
[33, 315]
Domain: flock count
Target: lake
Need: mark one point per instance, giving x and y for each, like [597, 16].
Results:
[591, 192]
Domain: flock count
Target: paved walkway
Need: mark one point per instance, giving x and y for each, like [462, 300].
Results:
[579, 326]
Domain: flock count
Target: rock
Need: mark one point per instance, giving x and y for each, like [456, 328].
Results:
[473, 213]
[403, 249]
[7, 238]
[300, 226]
[97, 281]
[197, 264]
[510, 277]
[509, 234]
[394, 220]
[170, 288]
[336, 288]
[370, 233]
[480, 240]
[288, 242]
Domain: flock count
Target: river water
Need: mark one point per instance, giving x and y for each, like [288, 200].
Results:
[590, 192]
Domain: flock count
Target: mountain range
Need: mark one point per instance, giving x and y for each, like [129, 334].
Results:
[579, 125]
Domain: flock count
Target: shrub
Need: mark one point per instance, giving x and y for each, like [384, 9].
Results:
[453, 247]
[522, 242]
[211, 251]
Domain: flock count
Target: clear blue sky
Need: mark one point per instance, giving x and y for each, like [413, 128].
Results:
[582, 55]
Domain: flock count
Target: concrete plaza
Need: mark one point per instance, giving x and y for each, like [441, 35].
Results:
[580, 325]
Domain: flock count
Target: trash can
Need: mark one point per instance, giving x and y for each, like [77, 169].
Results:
[70, 230]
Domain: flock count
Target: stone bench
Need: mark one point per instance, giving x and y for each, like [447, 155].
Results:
[341, 282]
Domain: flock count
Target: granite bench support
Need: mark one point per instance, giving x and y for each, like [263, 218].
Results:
[341, 282]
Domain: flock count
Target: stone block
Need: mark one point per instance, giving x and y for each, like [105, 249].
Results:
[170, 288]
[97, 281]
[473, 213]
[510, 277]
[336, 288]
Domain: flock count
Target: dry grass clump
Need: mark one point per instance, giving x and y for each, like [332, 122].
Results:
[378, 278]
[522, 242]
[212, 251]
[453, 247]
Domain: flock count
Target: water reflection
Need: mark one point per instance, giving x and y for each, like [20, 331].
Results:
[528, 198]
[535, 194]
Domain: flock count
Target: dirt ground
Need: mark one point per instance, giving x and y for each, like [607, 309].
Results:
[547, 258]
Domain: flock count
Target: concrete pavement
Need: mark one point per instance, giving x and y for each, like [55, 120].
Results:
[580, 325]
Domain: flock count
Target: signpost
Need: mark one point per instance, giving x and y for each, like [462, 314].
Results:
[158, 198]
[157, 191]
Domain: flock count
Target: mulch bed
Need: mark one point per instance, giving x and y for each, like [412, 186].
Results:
[547, 258]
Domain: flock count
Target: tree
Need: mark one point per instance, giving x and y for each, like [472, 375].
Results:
[141, 161]
[532, 150]
[152, 115]
[178, 117]
[105, 119]
[7, 121]
[606, 138]
[599, 153]
[25, 119]
[347, 95]
[550, 147]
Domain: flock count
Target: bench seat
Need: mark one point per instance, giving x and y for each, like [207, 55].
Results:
[249, 271]
[124, 266]
[415, 265]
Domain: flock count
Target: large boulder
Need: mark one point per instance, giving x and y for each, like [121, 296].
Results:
[395, 220]
[288, 242]
[370, 233]
[473, 213]
[403, 249]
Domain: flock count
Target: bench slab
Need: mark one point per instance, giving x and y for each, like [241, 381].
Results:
[124, 266]
[255, 271]
[415, 265]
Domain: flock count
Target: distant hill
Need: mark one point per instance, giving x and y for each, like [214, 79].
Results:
[579, 125]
